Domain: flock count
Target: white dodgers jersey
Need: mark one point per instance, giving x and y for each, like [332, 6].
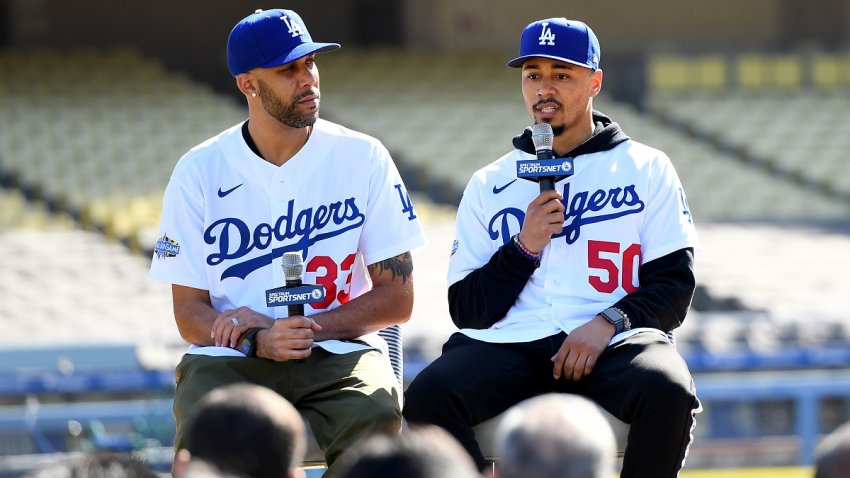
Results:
[624, 207]
[229, 215]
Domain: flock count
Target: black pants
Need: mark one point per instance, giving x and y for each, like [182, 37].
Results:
[642, 381]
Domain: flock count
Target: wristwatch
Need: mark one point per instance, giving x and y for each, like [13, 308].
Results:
[248, 342]
[618, 318]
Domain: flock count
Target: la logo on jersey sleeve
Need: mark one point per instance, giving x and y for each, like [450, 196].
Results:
[406, 203]
[685, 209]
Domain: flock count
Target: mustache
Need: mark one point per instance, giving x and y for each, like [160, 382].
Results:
[301, 96]
[543, 101]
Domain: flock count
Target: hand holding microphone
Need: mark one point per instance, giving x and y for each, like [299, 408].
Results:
[291, 337]
[544, 216]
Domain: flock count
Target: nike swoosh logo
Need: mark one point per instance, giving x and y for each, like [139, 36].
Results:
[221, 193]
[497, 190]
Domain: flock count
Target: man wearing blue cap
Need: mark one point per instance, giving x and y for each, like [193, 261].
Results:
[285, 181]
[569, 288]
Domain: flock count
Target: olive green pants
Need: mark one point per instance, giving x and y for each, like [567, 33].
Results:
[343, 397]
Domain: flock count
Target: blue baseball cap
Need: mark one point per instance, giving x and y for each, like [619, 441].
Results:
[570, 41]
[269, 38]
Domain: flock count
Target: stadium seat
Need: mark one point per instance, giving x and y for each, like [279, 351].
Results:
[751, 123]
[85, 369]
[669, 72]
[787, 72]
[752, 72]
[101, 439]
[826, 71]
[711, 73]
[105, 122]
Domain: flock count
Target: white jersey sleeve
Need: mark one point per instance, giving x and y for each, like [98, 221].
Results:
[472, 247]
[181, 229]
[668, 225]
[391, 227]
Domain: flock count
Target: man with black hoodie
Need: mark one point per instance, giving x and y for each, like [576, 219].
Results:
[572, 290]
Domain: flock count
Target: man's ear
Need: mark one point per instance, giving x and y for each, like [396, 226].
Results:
[596, 85]
[297, 473]
[246, 83]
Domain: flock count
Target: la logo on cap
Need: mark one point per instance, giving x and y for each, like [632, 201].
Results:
[546, 36]
[576, 43]
[292, 27]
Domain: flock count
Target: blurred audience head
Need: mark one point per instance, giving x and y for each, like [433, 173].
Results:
[832, 455]
[96, 465]
[245, 430]
[199, 468]
[424, 451]
[555, 436]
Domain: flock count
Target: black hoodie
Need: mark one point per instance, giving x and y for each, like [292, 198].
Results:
[606, 135]
[667, 283]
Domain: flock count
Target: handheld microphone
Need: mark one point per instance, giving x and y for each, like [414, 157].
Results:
[546, 169]
[293, 271]
[543, 138]
[294, 294]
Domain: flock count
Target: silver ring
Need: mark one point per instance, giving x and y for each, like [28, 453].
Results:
[235, 320]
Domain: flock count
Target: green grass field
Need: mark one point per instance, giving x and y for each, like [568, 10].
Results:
[750, 473]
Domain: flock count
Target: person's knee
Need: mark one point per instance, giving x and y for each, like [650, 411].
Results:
[378, 412]
[671, 392]
[386, 414]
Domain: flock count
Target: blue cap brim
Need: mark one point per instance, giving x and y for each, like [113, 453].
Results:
[300, 51]
[518, 61]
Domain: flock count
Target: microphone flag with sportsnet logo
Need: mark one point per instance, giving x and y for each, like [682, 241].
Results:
[546, 169]
[294, 294]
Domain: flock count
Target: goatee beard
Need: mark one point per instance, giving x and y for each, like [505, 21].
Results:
[287, 114]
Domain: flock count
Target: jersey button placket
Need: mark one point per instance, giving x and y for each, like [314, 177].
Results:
[279, 197]
[550, 281]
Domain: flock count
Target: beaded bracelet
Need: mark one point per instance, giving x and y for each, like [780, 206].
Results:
[534, 256]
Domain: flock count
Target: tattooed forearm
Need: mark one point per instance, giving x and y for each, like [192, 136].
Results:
[399, 266]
